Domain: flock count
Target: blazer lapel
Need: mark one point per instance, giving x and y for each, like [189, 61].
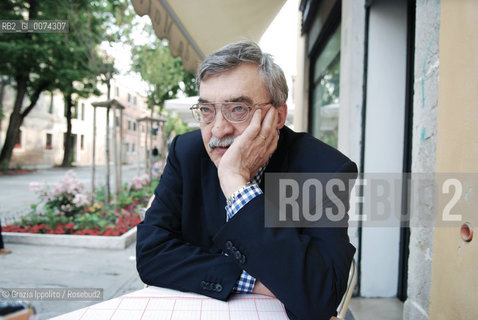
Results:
[213, 198]
[279, 160]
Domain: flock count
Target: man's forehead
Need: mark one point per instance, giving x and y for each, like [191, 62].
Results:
[241, 98]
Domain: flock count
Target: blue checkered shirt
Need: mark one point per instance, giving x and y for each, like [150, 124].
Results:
[246, 282]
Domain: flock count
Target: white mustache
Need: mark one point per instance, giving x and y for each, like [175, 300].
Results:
[223, 142]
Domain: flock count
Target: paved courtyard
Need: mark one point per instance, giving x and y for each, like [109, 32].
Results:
[33, 266]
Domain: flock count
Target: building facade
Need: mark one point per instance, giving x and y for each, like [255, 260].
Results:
[42, 134]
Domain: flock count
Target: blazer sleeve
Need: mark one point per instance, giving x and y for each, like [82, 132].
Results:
[306, 268]
[165, 259]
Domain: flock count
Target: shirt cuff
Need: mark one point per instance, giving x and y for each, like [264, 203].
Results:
[245, 283]
[242, 198]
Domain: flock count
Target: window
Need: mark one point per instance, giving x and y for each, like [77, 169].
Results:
[83, 111]
[117, 91]
[132, 147]
[117, 121]
[134, 126]
[18, 142]
[324, 115]
[127, 147]
[134, 100]
[49, 138]
[129, 97]
[75, 111]
[50, 108]
[82, 142]
[129, 124]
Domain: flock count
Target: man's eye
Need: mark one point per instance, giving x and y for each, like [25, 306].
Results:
[205, 110]
[238, 109]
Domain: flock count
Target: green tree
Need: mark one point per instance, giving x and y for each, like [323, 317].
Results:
[164, 74]
[91, 23]
[38, 62]
[79, 66]
[27, 59]
[174, 126]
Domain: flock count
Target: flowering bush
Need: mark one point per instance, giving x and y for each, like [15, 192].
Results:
[65, 209]
[68, 197]
[138, 182]
[123, 222]
[157, 169]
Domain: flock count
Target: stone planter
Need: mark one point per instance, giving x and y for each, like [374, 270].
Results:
[67, 240]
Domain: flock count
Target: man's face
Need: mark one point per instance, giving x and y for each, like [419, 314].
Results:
[242, 83]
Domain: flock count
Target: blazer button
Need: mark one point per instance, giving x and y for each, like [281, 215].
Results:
[210, 287]
[229, 245]
[237, 255]
[242, 260]
[218, 287]
[203, 285]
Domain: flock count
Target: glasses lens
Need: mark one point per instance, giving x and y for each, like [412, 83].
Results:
[233, 112]
[207, 112]
[203, 112]
[196, 113]
[236, 111]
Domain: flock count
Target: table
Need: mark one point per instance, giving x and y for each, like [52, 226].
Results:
[159, 303]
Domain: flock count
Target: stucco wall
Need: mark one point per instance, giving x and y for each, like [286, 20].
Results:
[454, 278]
[351, 78]
[425, 102]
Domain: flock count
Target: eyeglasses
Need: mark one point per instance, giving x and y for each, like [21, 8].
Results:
[234, 112]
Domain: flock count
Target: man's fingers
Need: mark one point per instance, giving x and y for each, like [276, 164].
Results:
[270, 119]
[254, 127]
[269, 124]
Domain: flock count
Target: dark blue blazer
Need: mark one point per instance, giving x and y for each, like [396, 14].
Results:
[181, 241]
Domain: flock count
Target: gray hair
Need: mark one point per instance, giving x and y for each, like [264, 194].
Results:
[232, 55]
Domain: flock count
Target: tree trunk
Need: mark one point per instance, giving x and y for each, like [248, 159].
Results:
[15, 122]
[17, 116]
[67, 143]
[3, 84]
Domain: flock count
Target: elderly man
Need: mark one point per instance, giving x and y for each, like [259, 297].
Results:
[205, 231]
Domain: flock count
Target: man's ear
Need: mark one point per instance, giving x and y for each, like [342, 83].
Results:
[282, 115]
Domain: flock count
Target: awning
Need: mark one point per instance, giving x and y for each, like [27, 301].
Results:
[195, 28]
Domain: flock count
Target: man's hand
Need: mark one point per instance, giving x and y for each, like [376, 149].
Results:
[259, 288]
[248, 152]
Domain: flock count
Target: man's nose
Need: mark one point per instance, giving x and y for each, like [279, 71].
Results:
[221, 127]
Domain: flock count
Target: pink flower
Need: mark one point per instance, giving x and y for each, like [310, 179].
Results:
[138, 182]
[80, 200]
